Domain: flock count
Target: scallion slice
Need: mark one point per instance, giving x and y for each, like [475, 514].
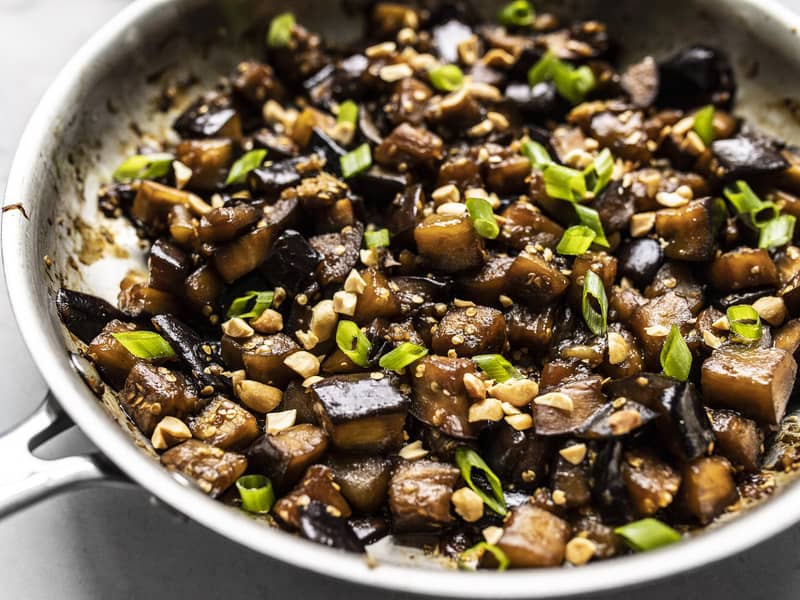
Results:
[518, 13]
[482, 217]
[590, 218]
[647, 534]
[704, 124]
[470, 557]
[594, 292]
[446, 78]
[144, 344]
[543, 69]
[745, 322]
[676, 358]
[466, 460]
[777, 232]
[250, 305]
[598, 174]
[536, 154]
[249, 161]
[357, 161]
[280, 30]
[742, 198]
[402, 356]
[256, 493]
[377, 239]
[564, 183]
[576, 240]
[348, 112]
[352, 341]
[496, 367]
[572, 83]
[144, 166]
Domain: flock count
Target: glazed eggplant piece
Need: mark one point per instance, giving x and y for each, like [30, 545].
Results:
[154, 201]
[224, 424]
[110, 357]
[361, 413]
[708, 488]
[211, 116]
[213, 469]
[271, 179]
[689, 230]
[292, 263]
[409, 145]
[449, 243]
[571, 478]
[742, 157]
[584, 394]
[318, 524]
[262, 357]
[203, 288]
[284, 456]
[533, 537]
[339, 252]
[227, 222]
[534, 281]
[610, 420]
[739, 439]
[516, 456]
[364, 479]
[244, 254]
[651, 323]
[470, 331]
[440, 397]
[419, 495]
[652, 483]
[208, 160]
[615, 205]
[743, 268]
[85, 315]
[137, 300]
[317, 485]
[378, 300]
[694, 76]
[486, 286]
[609, 490]
[524, 224]
[152, 393]
[755, 381]
[255, 82]
[167, 266]
[529, 330]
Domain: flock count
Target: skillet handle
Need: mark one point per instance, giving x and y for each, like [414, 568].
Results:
[26, 479]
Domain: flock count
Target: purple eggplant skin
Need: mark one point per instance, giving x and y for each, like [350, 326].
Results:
[191, 350]
[694, 76]
[271, 180]
[639, 260]
[369, 529]
[318, 525]
[743, 156]
[168, 266]
[292, 263]
[608, 489]
[85, 315]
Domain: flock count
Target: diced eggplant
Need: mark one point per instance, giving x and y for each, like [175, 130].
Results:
[303, 56]
[320, 526]
[369, 530]
[255, 82]
[524, 224]
[361, 413]
[470, 331]
[154, 201]
[688, 230]
[298, 398]
[573, 480]
[507, 176]
[486, 286]
[650, 321]
[586, 396]
[743, 157]
[284, 456]
[534, 281]
[743, 268]
[317, 485]
[694, 76]
[182, 225]
[208, 159]
[615, 206]
[211, 116]
[279, 146]
[540, 100]
[224, 424]
[708, 488]
[461, 171]
[419, 495]
[242, 255]
[628, 346]
[405, 213]
[755, 381]
[364, 480]
[739, 439]
[226, 222]
[610, 421]
[683, 424]
[261, 357]
[413, 146]
[520, 457]
[413, 287]
[407, 103]
[652, 483]
[138, 300]
[449, 243]
[273, 178]
[607, 544]
[678, 278]
[626, 137]
[211, 468]
[168, 267]
[152, 393]
[292, 263]
[529, 330]
[602, 263]
[790, 293]
[378, 298]
[110, 357]
[339, 251]
[203, 288]
[788, 337]
[610, 491]
[85, 315]
[440, 398]
[640, 81]
[533, 537]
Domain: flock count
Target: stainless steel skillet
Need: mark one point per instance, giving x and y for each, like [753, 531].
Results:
[83, 128]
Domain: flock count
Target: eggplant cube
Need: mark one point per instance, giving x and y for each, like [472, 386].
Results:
[533, 537]
[152, 393]
[419, 495]
[470, 331]
[535, 281]
[361, 412]
[440, 397]
[261, 356]
[364, 479]
[651, 482]
[317, 485]
[110, 357]
[284, 456]
[688, 230]
[586, 396]
[225, 424]
[708, 487]
[449, 243]
[739, 439]
[212, 468]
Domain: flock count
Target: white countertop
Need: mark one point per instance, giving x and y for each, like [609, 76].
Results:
[114, 543]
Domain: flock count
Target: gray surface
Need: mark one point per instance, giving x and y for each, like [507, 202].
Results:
[113, 543]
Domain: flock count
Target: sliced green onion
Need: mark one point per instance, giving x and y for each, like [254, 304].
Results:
[352, 341]
[745, 322]
[704, 124]
[676, 358]
[564, 183]
[777, 232]
[536, 154]
[496, 367]
[256, 493]
[572, 83]
[518, 13]
[402, 356]
[576, 240]
[357, 161]
[250, 305]
[470, 557]
[280, 30]
[482, 217]
[593, 289]
[466, 460]
[377, 239]
[144, 344]
[543, 69]
[348, 112]
[249, 161]
[590, 218]
[144, 166]
[598, 174]
[446, 78]
[647, 534]
[742, 197]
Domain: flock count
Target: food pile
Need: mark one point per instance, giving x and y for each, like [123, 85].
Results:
[465, 283]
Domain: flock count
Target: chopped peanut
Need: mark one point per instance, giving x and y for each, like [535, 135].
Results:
[303, 363]
[467, 504]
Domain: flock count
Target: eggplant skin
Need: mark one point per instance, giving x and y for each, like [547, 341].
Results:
[419, 495]
[85, 315]
[533, 537]
[213, 469]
